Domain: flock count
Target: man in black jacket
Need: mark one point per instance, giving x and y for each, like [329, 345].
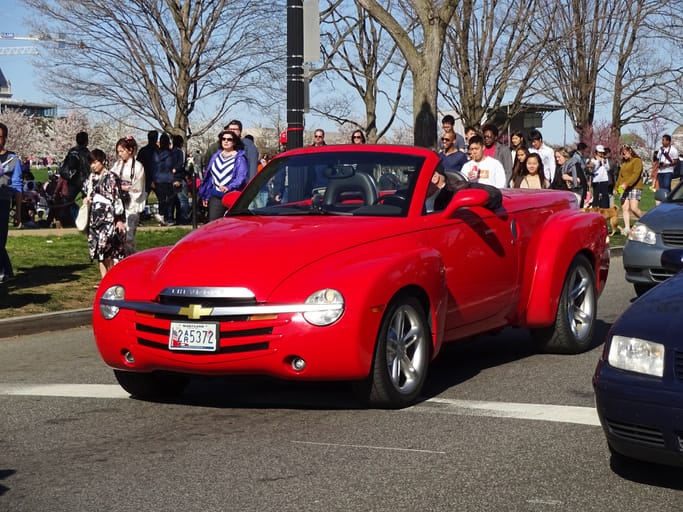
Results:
[75, 170]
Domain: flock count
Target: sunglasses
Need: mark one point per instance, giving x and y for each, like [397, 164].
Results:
[318, 136]
[228, 138]
[446, 139]
[357, 137]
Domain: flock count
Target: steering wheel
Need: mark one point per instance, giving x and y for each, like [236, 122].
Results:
[396, 199]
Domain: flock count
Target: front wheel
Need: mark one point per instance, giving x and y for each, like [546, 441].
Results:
[401, 356]
[572, 332]
[152, 386]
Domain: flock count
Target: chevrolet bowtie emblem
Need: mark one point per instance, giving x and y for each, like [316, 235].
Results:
[195, 311]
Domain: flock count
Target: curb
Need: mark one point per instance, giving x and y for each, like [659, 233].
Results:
[32, 324]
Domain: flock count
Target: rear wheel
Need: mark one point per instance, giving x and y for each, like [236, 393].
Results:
[401, 356]
[152, 386]
[572, 331]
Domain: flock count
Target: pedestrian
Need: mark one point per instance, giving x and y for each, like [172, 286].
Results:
[131, 174]
[358, 137]
[547, 154]
[148, 156]
[532, 175]
[180, 179]
[75, 170]
[448, 127]
[318, 138]
[667, 158]
[107, 219]
[518, 165]
[599, 168]
[10, 189]
[570, 175]
[163, 181]
[451, 158]
[496, 150]
[250, 150]
[226, 171]
[481, 168]
[629, 185]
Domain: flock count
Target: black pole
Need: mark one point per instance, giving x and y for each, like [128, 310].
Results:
[295, 74]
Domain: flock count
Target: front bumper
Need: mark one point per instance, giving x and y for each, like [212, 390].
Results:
[642, 263]
[642, 416]
[256, 344]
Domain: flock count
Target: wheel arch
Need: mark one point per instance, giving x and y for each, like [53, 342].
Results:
[552, 252]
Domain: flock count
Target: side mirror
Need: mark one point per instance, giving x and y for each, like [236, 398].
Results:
[230, 198]
[467, 197]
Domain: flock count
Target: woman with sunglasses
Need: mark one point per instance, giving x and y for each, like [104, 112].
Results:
[226, 171]
[358, 137]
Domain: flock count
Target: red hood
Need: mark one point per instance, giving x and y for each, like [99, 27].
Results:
[259, 252]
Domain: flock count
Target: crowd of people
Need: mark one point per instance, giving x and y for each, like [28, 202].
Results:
[596, 178]
[118, 193]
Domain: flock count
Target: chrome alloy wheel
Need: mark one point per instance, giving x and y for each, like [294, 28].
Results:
[580, 302]
[406, 349]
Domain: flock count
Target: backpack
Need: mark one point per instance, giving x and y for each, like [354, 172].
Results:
[73, 165]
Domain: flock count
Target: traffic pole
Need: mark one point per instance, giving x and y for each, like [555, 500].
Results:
[295, 74]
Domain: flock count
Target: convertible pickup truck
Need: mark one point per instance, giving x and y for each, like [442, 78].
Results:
[352, 263]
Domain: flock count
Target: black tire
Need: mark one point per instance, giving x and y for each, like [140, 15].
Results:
[401, 357]
[641, 288]
[572, 332]
[153, 386]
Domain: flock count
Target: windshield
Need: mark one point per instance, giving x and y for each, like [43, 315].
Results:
[333, 183]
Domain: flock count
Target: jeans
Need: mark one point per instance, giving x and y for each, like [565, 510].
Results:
[183, 213]
[164, 192]
[664, 180]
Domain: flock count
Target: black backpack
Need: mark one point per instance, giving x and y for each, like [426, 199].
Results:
[74, 166]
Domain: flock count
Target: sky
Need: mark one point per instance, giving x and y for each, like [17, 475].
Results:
[25, 77]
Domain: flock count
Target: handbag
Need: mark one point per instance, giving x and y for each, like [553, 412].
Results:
[82, 218]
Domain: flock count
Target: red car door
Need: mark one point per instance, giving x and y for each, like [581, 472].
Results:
[481, 262]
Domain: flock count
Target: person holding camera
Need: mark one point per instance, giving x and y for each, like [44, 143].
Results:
[132, 175]
[599, 167]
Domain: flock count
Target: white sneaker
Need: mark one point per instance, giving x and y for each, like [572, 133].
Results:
[159, 218]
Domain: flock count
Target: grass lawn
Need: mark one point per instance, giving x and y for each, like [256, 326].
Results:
[54, 272]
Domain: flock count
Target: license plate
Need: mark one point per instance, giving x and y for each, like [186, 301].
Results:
[193, 336]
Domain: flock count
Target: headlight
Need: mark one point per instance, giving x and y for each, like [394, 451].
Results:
[332, 307]
[637, 355]
[641, 233]
[114, 293]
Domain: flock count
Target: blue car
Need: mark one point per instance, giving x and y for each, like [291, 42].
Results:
[638, 382]
[658, 230]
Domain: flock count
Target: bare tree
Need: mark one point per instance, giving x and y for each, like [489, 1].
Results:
[166, 62]
[581, 44]
[358, 51]
[491, 57]
[643, 81]
[422, 49]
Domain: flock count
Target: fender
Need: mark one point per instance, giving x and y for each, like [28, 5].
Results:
[565, 234]
[369, 279]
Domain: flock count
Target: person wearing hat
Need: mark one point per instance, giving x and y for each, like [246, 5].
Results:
[599, 169]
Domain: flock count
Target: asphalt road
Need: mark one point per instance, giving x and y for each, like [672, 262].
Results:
[500, 428]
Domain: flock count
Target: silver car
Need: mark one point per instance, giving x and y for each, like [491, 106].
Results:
[659, 229]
